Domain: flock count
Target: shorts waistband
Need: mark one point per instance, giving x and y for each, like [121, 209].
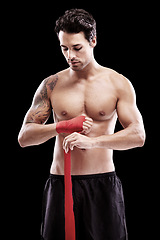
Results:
[83, 177]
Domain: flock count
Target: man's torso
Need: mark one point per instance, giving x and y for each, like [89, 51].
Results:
[96, 97]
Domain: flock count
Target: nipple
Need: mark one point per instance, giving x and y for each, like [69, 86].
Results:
[64, 113]
[102, 113]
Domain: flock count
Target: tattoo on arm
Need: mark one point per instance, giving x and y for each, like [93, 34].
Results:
[41, 106]
[48, 83]
[52, 84]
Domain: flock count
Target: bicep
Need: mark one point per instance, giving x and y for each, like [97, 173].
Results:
[40, 109]
[127, 109]
[39, 115]
[128, 114]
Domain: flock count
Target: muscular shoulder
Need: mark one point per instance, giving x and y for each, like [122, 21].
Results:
[122, 86]
[120, 82]
[48, 85]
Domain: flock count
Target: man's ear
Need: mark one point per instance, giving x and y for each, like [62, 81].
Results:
[93, 43]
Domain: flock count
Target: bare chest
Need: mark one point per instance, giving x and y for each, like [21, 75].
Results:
[95, 99]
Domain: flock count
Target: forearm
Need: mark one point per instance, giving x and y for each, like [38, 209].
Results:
[35, 134]
[130, 137]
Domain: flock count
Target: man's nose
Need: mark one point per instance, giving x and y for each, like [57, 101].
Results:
[71, 55]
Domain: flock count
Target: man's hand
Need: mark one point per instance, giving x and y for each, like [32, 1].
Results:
[87, 125]
[81, 124]
[77, 140]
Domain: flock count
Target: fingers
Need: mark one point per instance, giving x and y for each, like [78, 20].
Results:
[87, 125]
[69, 142]
[89, 120]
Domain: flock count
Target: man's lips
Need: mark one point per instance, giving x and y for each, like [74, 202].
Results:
[73, 62]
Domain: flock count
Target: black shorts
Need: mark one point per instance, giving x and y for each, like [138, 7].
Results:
[98, 207]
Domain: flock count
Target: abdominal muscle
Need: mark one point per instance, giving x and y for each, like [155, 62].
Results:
[84, 161]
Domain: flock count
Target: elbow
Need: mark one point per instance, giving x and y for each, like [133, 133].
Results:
[142, 139]
[21, 140]
[141, 136]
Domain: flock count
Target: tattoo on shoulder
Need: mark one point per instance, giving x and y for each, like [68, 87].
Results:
[48, 83]
[51, 84]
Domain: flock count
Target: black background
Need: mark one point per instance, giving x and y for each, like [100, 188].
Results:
[125, 43]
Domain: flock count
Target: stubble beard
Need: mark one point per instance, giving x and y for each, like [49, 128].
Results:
[80, 66]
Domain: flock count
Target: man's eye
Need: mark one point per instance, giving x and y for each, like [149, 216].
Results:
[64, 49]
[78, 49]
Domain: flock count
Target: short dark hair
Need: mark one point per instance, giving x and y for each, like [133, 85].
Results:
[75, 21]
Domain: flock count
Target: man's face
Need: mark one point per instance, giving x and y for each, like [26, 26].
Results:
[76, 49]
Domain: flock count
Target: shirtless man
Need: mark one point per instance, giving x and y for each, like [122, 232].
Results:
[102, 95]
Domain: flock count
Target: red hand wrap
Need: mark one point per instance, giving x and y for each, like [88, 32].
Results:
[70, 126]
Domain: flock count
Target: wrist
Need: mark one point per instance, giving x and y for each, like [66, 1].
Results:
[95, 142]
[99, 142]
[70, 126]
